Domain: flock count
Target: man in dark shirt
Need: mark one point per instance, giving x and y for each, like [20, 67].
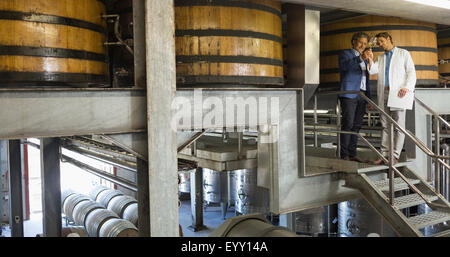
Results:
[354, 77]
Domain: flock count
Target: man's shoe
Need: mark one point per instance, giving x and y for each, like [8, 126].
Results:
[345, 158]
[395, 161]
[357, 159]
[379, 161]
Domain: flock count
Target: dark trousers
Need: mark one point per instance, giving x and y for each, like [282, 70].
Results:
[353, 110]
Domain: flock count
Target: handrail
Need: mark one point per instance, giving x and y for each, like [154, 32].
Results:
[406, 132]
[360, 135]
[432, 112]
[416, 141]
[371, 146]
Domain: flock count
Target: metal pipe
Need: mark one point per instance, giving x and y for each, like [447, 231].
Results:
[106, 159]
[338, 125]
[437, 169]
[391, 163]
[116, 180]
[446, 176]
[315, 120]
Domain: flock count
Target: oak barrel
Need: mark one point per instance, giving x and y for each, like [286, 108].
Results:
[419, 38]
[96, 218]
[243, 48]
[97, 190]
[83, 209]
[105, 196]
[120, 203]
[66, 193]
[46, 41]
[75, 231]
[118, 228]
[444, 54]
[71, 202]
[131, 213]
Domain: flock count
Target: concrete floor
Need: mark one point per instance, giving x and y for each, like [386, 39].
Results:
[212, 219]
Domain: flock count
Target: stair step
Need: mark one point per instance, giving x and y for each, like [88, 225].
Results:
[412, 200]
[399, 184]
[429, 219]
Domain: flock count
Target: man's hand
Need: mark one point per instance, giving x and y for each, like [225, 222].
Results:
[369, 106]
[402, 92]
[367, 54]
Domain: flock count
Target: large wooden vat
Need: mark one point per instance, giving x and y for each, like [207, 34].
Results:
[228, 42]
[444, 54]
[419, 38]
[45, 41]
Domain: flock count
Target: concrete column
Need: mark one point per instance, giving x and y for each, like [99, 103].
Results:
[15, 189]
[51, 187]
[162, 140]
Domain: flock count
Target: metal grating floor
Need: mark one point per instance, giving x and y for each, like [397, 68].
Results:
[399, 184]
[411, 200]
[429, 219]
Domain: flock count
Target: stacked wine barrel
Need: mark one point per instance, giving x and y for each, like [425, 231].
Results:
[52, 43]
[100, 213]
[244, 48]
[419, 38]
[444, 55]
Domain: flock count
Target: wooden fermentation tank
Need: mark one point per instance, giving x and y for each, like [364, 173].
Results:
[231, 42]
[45, 41]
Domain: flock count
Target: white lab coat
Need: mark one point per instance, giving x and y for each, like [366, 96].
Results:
[402, 74]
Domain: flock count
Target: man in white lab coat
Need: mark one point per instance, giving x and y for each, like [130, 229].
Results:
[395, 89]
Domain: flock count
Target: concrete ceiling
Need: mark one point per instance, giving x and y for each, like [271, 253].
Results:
[396, 8]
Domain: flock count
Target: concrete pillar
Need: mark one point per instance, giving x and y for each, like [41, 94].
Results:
[162, 140]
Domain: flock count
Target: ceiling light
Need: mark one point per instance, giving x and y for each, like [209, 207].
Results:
[436, 3]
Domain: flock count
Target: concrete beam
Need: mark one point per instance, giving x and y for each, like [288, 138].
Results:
[67, 112]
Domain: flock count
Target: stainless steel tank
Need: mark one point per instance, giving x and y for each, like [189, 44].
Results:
[430, 230]
[218, 188]
[250, 198]
[312, 222]
[185, 181]
[357, 218]
[215, 189]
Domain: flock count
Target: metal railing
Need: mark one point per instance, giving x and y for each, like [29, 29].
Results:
[437, 144]
[392, 169]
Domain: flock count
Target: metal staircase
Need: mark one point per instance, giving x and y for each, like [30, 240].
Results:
[376, 193]
[385, 196]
